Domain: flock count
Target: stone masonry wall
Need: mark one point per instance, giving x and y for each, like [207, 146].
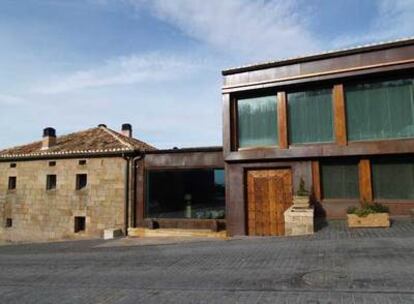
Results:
[38, 214]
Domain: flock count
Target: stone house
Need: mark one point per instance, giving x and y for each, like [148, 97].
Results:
[68, 186]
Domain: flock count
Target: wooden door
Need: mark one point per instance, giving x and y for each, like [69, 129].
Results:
[269, 194]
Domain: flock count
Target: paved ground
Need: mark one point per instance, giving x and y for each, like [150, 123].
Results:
[334, 266]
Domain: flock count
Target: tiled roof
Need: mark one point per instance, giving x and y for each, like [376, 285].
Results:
[326, 54]
[92, 141]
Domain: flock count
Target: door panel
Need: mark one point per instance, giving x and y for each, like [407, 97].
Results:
[269, 194]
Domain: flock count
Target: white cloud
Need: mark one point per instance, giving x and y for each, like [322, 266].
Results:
[124, 71]
[394, 20]
[6, 99]
[396, 17]
[257, 29]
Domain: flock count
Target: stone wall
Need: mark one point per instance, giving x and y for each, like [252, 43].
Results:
[40, 214]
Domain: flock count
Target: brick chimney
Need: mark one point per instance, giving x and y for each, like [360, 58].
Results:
[126, 130]
[49, 138]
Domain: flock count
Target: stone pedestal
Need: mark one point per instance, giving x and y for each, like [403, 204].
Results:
[112, 233]
[299, 217]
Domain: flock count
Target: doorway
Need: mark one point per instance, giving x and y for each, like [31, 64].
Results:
[269, 194]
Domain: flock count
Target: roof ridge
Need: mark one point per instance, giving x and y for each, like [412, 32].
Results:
[117, 136]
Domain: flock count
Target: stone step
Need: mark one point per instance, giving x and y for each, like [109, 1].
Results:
[175, 232]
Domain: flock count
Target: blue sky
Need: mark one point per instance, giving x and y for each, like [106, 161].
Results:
[73, 64]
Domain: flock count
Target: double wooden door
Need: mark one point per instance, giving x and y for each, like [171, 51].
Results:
[269, 194]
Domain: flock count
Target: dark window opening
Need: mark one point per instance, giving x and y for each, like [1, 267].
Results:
[50, 182]
[82, 162]
[196, 193]
[340, 179]
[52, 164]
[9, 222]
[80, 224]
[12, 182]
[13, 165]
[81, 181]
[393, 178]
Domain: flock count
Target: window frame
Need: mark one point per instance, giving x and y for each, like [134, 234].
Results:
[12, 183]
[383, 159]
[235, 127]
[81, 186]
[339, 161]
[147, 171]
[51, 182]
[404, 75]
[307, 88]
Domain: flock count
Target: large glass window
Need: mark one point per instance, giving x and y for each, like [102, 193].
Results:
[393, 178]
[196, 193]
[380, 110]
[257, 121]
[310, 116]
[340, 179]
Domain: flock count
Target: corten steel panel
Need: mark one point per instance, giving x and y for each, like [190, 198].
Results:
[365, 182]
[184, 160]
[330, 76]
[339, 114]
[316, 180]
[383, 147]
[236, 183]
[322, 66]
[282, 120]
[227, 129]
[171, 160]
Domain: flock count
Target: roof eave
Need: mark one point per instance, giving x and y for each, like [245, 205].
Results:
[69, 154]
[324, 55]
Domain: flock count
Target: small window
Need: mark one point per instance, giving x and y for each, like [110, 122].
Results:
[12, 182]
[50, 182]
[81, 181]
[82, 162]
[52, 164]
[9, 222]
[80, 224]
[13, 165]
[340, 179]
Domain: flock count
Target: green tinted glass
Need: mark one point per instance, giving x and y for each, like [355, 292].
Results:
[257, 121]
[393, 179]
[310, 116]
[380, 110]
[340, 179]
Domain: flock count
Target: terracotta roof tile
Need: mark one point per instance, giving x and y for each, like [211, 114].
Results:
[91, 141]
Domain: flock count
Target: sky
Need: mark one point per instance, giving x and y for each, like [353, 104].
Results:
[73, 64]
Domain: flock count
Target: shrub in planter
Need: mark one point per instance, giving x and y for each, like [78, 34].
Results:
[369, 215]
[301, 199]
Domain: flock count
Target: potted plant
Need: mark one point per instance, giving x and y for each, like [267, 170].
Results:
[301, 199]
[368, 215]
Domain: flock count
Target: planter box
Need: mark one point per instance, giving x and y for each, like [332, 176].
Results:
[370, 221]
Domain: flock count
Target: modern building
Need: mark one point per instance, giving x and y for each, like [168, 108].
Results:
[342, 121]
[69, 186]
[181, 188]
